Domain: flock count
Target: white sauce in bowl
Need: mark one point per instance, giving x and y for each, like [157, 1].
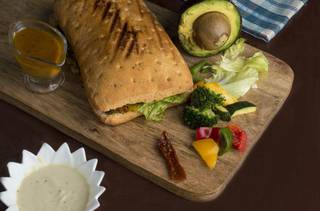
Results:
[53, 188]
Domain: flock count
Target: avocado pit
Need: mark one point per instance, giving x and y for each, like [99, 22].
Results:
[211, 30]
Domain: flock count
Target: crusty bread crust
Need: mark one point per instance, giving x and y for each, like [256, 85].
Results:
[125, 56]
[116, 118]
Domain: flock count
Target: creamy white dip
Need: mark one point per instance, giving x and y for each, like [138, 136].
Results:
[53, 188]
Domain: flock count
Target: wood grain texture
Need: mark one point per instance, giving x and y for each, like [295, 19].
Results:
[134, 143]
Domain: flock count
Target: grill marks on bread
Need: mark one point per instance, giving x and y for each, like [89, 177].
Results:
[120, 36]
[123, 36]
[120, 33]
[106, 10]
[125, 56]
[127, 41]
[115, 20]
[131, 44]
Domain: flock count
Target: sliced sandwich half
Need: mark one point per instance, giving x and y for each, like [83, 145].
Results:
[128, 63]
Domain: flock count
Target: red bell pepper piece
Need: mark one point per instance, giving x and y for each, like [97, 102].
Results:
[215, 134]
[239, 137]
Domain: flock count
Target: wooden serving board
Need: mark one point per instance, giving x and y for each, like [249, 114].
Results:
[134, 144]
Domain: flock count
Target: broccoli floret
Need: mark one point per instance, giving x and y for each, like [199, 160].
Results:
[205, 98]
[195, 118]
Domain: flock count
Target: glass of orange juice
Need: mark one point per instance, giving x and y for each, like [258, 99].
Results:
[41, 52]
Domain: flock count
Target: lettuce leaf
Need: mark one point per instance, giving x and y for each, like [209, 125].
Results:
[155, 110]
[235, 50]
[236, 73]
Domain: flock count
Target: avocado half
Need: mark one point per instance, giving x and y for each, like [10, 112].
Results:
[209, 27]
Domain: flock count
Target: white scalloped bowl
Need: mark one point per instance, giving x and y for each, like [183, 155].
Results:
[47, 156]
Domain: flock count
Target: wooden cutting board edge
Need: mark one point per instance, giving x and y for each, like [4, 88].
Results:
[199, 197]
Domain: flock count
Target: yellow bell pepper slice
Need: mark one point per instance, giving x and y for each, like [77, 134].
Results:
[219, 90]
[208, 150]
[134, 107]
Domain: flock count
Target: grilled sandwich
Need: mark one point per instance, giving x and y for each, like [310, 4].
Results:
[126, 58]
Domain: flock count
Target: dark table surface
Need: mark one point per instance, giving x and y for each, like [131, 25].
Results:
[281, 173]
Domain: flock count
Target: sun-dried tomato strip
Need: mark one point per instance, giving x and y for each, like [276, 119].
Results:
[176, 171]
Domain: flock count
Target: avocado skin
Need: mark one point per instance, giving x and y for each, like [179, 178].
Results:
[186, 39]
